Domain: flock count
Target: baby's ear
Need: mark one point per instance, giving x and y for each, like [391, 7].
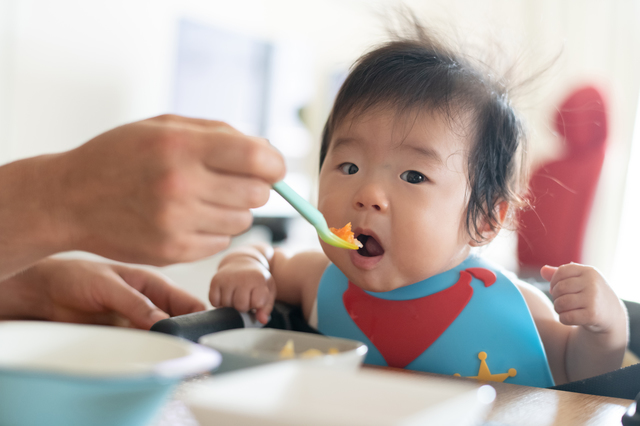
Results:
[486, 233]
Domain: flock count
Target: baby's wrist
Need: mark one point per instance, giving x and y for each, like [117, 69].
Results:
[244, 256]
[608, 335]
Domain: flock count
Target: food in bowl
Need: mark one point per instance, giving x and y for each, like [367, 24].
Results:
[288, 351]
[247, 347]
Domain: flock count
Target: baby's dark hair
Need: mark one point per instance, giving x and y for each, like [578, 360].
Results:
[412, 73]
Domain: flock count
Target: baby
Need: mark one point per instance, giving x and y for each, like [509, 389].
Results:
[422, 154]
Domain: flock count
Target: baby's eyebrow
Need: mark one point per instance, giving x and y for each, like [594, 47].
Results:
[430, 153]
[344, 141]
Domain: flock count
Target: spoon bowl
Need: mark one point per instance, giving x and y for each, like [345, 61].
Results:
[312, 215]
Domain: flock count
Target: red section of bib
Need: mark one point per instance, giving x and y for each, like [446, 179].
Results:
[403, 329]
[487, 276]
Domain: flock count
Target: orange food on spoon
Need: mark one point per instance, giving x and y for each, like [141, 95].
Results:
[346, 234]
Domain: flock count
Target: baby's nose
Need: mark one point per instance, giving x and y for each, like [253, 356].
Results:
[371, 197]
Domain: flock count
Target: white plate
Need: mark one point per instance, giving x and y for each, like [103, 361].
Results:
[298, 394]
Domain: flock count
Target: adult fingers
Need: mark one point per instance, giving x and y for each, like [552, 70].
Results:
[76, 316]
[120, 297]
[243, 155]
[220, 220]
[234, 191]
[218, 126]
[225, 149]
[163, 294]
[188, 248]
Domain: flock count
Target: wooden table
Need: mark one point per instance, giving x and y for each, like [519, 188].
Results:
[515, 405]
[523, 405]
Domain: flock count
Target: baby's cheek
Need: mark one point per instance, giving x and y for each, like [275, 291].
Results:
[411, 251]
[421, 250]
[412, 234]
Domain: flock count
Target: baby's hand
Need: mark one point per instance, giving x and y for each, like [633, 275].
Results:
[243, 282]
[581, 296]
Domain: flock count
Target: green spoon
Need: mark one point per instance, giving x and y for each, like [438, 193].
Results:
[313, 216]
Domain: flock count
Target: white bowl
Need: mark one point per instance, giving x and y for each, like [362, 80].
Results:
[69, 374]
[247, 347]
[300, 394]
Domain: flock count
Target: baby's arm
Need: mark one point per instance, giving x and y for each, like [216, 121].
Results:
[589, 333]
[251, 277]
[596, 316]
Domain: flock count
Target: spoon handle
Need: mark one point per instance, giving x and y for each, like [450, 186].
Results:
[306, 210]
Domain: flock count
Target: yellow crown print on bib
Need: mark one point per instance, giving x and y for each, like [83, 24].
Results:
[485, 374]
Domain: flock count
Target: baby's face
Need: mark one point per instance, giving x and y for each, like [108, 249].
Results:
[402, 184]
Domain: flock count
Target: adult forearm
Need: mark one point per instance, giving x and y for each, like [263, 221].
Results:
[32, 225]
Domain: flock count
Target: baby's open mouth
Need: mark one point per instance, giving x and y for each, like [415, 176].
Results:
[370, 246]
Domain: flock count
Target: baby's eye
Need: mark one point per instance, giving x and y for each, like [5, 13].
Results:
[349, 168]
[412, 176]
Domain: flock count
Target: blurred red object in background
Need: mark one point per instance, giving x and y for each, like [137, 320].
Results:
[552, 231]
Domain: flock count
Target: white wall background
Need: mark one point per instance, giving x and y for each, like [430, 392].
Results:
[71, 69]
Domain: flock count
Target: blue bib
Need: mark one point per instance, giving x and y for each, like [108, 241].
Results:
[470, 320]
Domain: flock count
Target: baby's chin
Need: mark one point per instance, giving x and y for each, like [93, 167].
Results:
[371, 281]
[366, 280]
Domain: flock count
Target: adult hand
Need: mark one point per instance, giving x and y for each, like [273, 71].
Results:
[94, 293]
[164, 190]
